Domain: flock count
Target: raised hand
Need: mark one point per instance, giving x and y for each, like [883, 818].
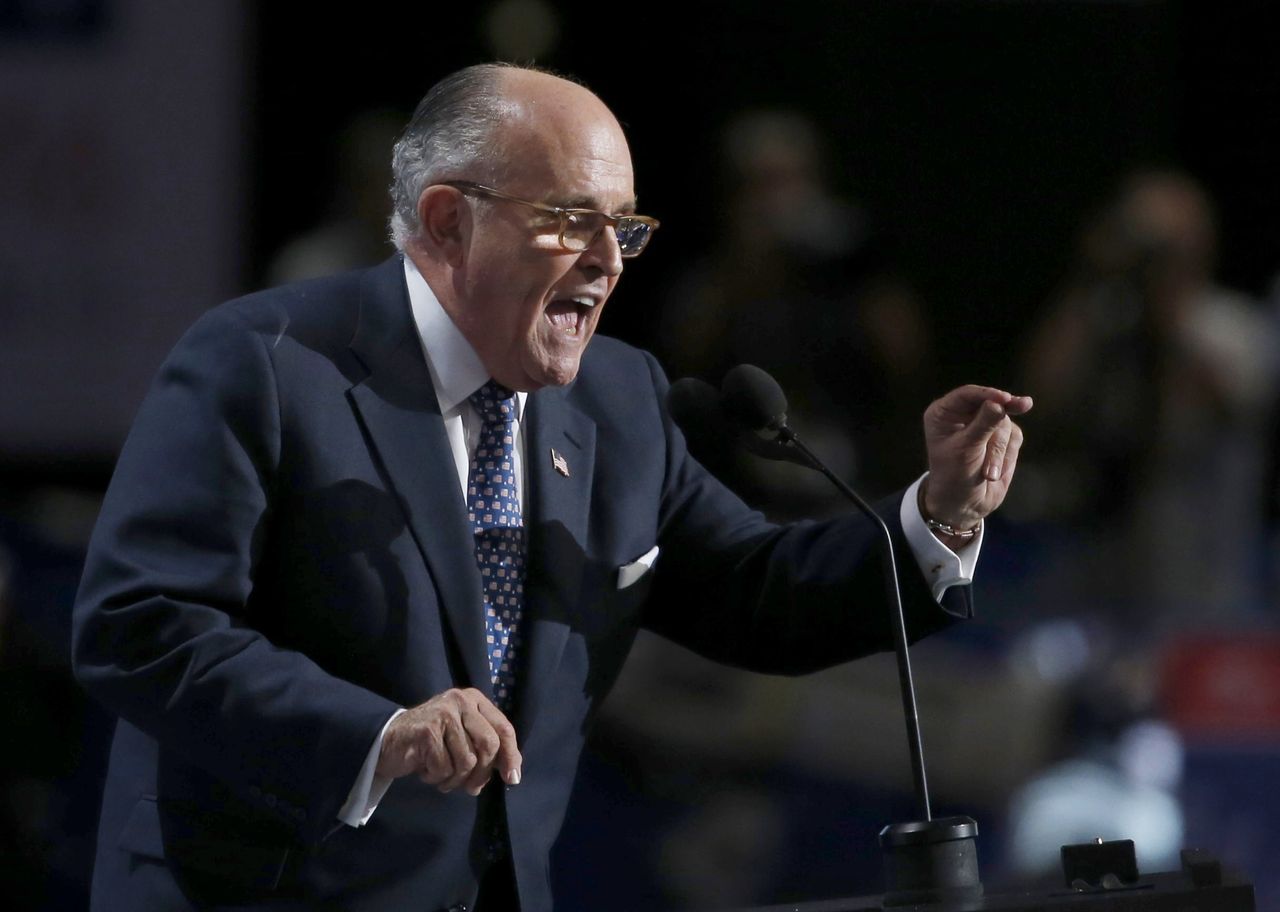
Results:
[973, 446]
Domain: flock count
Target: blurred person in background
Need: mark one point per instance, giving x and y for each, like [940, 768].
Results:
[1156, 386]
[1116, 774]
[353, 232]
[799, 283]
[1273, 464]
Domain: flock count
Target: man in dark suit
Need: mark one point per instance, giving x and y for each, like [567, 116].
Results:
[378, 544]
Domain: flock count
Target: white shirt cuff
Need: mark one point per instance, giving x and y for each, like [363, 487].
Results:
[942, 567]
[364, 796]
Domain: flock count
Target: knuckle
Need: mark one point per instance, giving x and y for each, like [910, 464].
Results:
[487, 744]
[439, 727]
[435, 753]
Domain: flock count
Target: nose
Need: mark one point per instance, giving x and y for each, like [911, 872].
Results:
[603, 253]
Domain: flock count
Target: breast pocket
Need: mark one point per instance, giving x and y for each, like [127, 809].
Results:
[630, 574]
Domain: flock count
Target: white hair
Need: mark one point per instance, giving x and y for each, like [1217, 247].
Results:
[450, 133]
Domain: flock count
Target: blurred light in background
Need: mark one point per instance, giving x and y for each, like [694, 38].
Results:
[522, 30]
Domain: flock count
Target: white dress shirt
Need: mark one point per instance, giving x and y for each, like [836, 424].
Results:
[456, 373]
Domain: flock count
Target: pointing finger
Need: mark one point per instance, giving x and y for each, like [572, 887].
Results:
[1018, 405]
[963, 401]
[960, 404]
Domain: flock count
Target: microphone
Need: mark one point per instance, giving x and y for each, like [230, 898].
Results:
[696, 406]
[753, 400]
[926, 860]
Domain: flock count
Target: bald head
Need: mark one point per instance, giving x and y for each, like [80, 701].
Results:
[473, 123]
[534, 99]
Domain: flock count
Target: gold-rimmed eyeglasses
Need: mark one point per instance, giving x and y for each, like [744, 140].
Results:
[578, 228]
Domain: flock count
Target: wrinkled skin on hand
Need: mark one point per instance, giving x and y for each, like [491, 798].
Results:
[457, 739]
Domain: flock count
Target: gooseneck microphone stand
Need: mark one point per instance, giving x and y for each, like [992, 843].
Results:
[926, 860]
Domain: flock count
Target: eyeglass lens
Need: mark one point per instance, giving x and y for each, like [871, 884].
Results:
[582, 228]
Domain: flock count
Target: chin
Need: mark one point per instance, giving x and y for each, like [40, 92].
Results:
[559, 373]
[562, 376]
[554, 364]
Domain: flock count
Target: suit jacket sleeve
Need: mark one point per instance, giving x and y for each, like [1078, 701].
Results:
[783, 599]
[164, 632]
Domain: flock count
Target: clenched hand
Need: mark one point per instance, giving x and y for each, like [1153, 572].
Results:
[457, 739]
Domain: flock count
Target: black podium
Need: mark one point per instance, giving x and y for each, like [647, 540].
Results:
[1094, 882]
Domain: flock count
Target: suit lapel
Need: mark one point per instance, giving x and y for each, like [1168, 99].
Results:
[397, 404]
[559, 464]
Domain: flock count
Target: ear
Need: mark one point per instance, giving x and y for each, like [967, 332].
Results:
[446, 221]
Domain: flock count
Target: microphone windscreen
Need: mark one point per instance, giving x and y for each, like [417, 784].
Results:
[752, 399]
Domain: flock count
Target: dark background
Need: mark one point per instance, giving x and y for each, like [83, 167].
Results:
[978, 133]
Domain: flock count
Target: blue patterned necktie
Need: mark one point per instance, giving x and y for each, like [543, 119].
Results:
[493, 506]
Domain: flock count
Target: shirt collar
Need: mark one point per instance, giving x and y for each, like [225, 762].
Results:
[456, 369]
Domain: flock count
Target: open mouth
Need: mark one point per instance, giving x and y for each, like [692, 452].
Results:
[569, 315]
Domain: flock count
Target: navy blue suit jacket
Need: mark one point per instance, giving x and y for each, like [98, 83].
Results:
[283, 559]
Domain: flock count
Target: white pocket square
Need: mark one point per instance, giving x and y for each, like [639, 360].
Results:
[630, 573]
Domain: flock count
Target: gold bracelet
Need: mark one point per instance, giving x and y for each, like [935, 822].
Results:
[950, 530]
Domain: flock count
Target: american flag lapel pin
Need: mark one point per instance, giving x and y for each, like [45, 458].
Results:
[560, 463]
